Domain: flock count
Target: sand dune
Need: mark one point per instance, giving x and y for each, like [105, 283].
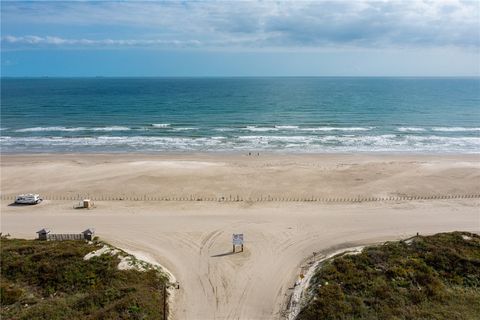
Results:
[193, 239]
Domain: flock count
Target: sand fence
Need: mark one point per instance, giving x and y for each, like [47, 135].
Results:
[243, 198]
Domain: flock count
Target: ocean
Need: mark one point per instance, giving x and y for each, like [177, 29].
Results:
[297, 115]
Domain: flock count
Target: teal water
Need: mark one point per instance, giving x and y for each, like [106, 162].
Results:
[240, 114]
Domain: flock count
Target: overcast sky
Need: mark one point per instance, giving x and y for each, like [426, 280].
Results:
[226, 38]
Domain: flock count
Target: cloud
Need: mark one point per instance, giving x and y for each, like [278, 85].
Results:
[52, 40]
[262, 24]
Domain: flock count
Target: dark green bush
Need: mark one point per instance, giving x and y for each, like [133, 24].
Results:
[51, 280]
[9, 294]
[433, 277]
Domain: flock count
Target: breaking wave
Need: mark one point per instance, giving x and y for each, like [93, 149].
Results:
[411, 129]
[113, 128]
[65, 129]
[455, 129]
[161, 125]
[295, 128]
[286, 127]
[338, 129]
[260, 129]
[328, 143]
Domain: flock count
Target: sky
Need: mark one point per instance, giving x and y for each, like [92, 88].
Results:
[240, 38]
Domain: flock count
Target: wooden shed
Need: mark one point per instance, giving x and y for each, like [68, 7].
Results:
[87, 203]
[43, 234]
[89, 234]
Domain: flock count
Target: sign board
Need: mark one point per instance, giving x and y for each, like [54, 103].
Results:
[237, 239]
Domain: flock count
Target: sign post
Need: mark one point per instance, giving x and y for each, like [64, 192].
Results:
[237, 240]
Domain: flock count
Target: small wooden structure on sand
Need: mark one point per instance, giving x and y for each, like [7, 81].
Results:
[84, 204]
[44, 234]
[237, 240]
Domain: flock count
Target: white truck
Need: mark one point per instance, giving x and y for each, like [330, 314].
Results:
[29, 198]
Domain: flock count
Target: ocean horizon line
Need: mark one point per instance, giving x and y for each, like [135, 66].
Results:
[247, 77]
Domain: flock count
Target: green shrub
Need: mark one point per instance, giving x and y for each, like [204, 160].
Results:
[433, 277]
[9, 294]
[51, 280]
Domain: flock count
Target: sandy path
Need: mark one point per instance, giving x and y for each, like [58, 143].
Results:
[194, 242]
[193, 239]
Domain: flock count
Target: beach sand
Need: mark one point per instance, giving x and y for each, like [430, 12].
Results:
[193, 238]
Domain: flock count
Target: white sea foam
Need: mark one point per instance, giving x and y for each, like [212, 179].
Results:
[38, 129]
[165, 143]
[161, 125]
[286, 127]
[54, 129]
[184, 129]
[337, 129]
[260, 129]
[328, 143]
[410, 129]
[277, 138]
[112, 128]
[454, 129]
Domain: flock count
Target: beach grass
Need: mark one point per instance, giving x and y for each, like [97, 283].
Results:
[52, 280]
[426, 277]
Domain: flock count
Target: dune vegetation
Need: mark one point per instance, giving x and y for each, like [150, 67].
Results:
[426, 277]
[52, 280]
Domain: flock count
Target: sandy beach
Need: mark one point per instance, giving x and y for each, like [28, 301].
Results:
[251, 177]
[193, 238]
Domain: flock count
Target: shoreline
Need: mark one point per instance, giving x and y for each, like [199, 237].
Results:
[245, 153]
[233, 156]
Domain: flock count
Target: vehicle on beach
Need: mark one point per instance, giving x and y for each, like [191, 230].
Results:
[29, 198]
